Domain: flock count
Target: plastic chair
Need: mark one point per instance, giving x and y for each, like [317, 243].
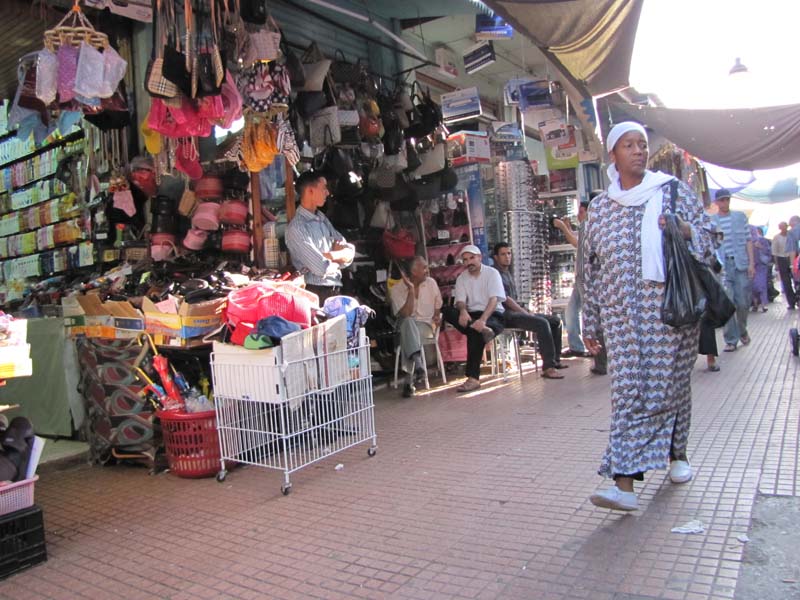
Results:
[428, 335]
[501, 342]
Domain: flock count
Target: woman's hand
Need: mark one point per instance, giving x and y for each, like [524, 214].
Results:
[593, 347]
[686, 231]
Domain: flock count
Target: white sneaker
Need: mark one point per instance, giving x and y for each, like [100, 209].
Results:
[680, 471]
[615, 499]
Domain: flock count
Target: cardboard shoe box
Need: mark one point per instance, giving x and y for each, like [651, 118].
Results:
[176, 323]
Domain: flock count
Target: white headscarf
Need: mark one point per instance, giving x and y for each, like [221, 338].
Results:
[647, 192]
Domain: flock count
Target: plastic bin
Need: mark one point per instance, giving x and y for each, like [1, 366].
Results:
[16, 496]
[22, 542]
[191, 442]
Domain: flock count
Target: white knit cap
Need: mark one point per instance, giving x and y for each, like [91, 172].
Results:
[621, 129]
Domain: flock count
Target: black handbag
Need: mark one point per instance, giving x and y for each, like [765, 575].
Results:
[402, 196]
[343, 71]
[427, 187]
[412, 157]
[174, 68]
[308, 103]
[393, 139]
[718, 306]
[254, 11]
[294, 65]
[207, 74]
[428, 118]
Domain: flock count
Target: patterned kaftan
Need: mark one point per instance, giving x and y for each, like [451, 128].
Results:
[650, 363]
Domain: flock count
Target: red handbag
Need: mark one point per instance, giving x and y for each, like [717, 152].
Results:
[399, 244]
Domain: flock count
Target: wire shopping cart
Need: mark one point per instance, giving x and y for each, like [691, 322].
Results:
[287, 414]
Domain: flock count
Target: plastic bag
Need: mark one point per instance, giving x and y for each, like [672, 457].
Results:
[719, 307]
[684, 297]
[89, 72]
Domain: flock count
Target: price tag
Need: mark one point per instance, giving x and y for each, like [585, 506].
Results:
[443, 234]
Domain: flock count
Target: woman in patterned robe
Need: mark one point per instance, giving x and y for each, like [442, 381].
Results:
[650, 363]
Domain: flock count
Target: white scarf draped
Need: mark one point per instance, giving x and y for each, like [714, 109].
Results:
[647, 192]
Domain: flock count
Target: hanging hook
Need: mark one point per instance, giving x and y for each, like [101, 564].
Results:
[76, 6]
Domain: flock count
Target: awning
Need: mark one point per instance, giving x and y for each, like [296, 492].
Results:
[743, 138]
[592, 40]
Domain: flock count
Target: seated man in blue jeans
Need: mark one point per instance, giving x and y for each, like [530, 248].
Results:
[546, 327]
[416, 302]
[478, 312]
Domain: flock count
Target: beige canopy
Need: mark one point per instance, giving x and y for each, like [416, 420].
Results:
[592, 40]
[744, 138]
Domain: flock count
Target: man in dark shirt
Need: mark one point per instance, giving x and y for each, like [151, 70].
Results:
[546, 327]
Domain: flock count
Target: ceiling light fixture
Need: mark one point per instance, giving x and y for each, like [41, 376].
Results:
[738, 67]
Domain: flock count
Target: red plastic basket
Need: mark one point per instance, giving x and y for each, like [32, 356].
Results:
[191, 442]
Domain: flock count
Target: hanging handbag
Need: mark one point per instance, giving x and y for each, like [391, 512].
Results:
[381, 215]
[156, 84]
[432, 161]
[254, 11]
[393, 140]
[235, 39]
[265, 42]
[324, 128]
[315, 74]
[343, 71]
[429, 116]
[413, 161]
[307, 103]
[399, 244]
[293, 65]
[174, 66]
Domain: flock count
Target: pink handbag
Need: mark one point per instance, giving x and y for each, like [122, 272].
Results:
[209, 187]
[195, 239]
[233, 212]
[206, 216]
[235, 240]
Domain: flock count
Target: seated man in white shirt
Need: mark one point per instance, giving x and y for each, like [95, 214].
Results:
[478, 312]
[417, 302]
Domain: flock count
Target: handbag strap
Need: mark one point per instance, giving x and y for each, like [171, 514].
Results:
[673, 194]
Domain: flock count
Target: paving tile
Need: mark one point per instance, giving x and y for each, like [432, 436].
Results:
[484, 497]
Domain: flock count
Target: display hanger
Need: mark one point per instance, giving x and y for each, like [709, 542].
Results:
[74, 29]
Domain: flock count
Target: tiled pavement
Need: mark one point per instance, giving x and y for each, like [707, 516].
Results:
[483, 496]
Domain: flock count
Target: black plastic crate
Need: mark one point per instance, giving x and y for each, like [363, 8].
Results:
[22, 542]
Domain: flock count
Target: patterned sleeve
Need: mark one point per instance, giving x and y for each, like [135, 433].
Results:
[690, 208]
[591, 280]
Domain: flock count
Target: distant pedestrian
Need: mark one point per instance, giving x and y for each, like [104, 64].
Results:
[650, 363]
[781, 252]
[738, 263]
[762, 253]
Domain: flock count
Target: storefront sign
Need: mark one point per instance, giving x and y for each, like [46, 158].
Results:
[478, 57]
[461, 105]
[492, 27]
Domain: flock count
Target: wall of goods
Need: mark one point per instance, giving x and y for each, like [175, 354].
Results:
[80, 210]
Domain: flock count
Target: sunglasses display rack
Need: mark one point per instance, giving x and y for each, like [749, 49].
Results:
[564, 206]
[524, 228]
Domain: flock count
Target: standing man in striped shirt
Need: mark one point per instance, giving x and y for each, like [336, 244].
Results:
[736, 256]
[317, 249]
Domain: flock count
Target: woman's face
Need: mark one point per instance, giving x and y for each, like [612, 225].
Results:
[630, 155]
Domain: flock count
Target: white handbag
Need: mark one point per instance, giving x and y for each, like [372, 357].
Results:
[433, 161]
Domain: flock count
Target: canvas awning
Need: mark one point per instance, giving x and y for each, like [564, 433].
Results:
[742, 138]
[591, 40]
